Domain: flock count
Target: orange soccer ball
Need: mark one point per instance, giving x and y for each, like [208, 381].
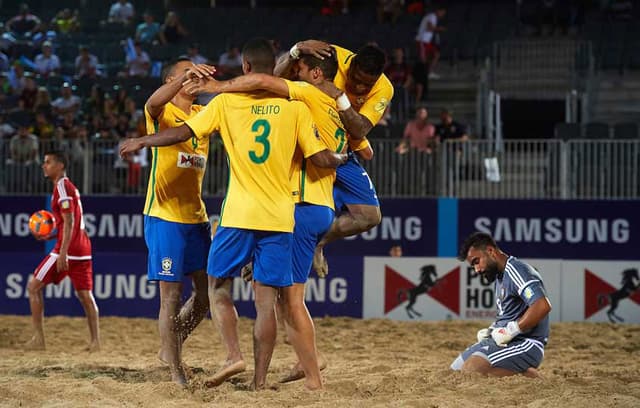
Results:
[42, 223]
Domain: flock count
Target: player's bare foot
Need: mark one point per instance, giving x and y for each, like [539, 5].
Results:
[227, 371]
[93, 347]
[179, 376]
[297, 373]
[36, 343]
[320, 264]
[533, 373]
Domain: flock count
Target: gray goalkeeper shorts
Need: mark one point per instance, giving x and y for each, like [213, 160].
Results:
[517, 356]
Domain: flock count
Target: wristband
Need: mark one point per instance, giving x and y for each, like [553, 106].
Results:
[294, 52]
[343, 102]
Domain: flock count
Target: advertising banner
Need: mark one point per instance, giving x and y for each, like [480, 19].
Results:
[601, 291]
[555, 228]
[121, 288]
[116, 224]
[439, 289]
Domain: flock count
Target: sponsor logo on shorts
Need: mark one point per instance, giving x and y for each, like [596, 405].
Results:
[187, 161]
[166, 267]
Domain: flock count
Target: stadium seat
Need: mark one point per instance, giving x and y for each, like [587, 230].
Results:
[567, 131]
[625, 130]
[596, 131]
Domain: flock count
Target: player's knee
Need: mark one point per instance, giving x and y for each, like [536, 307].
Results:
[457, 363]
[34, 286]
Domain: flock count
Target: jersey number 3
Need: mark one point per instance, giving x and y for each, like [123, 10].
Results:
[261, 128]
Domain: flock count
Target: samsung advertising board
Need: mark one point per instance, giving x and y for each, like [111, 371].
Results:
[556, 229]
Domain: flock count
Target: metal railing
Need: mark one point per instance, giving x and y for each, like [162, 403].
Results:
[535, 169]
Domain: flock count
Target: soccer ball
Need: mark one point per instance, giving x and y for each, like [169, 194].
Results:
[42, 223]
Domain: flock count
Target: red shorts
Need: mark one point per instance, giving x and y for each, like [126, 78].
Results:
[80, 272]
[429, 49]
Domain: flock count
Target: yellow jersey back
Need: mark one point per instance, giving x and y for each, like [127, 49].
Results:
[260, 133]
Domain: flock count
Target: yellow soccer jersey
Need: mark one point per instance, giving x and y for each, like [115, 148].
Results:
[175, 183]
[371, 106]
[313, 184]
[260, 133]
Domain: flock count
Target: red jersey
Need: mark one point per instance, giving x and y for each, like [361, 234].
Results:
[66, 199]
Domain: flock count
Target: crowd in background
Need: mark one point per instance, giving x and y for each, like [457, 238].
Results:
[50, 100]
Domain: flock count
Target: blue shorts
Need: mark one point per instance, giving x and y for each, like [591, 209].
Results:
[517, 356]
[175, 249]
[312, 222]
[353, 185]
[233, 248]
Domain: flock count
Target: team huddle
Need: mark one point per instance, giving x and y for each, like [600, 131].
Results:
[294, 131]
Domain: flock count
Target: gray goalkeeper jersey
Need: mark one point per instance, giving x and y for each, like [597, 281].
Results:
[517, 288]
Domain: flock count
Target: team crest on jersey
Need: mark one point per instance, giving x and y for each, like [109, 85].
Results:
[167, 263]
[528, 293]
[188, 161]
[315, 132]
[65, 204]
[382, 105]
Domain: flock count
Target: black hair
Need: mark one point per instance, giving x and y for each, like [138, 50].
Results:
[328, 65]
[478, 240]
[259, 53]
[168, 68]
[59, 155]
[370, 59]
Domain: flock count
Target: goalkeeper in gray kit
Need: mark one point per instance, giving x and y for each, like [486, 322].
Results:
[514, 343]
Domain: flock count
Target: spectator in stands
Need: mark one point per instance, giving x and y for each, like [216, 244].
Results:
[23, 159]
[122, 126]
[66, 102]
[6, 130]
[47, 63]
[398, 71]
[449, 129]
[120, 98]
[94, 104]
[172, 31]
[395, 251]
[121, 12]
[17, 78]
[193, 52]
[428, 40]
[65, 21]
[28, 94]
[138, 65]
[419, 134]
[389, 10]
[43, 128]
[230, 63]
[42, 103]
[87, 65]
[148, 32]
[129, 168]
[25, 23]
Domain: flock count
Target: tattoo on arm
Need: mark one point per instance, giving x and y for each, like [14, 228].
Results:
[356, 125]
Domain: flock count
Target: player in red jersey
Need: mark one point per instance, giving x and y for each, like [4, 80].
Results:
[70, 257]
